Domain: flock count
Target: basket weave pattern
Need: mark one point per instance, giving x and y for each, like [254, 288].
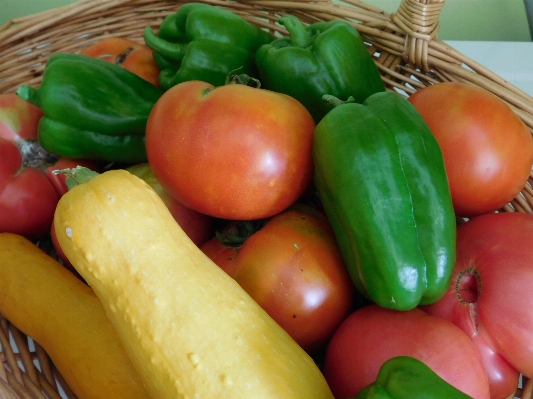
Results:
[405, 47]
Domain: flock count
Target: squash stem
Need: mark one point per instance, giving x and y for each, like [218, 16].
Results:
[76, 176]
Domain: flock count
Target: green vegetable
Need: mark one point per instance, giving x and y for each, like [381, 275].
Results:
[322, 58]
[204, 42]
[92, 109]
[405, 377]
[380, 175]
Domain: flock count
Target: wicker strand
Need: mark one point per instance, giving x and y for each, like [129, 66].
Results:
[46, 368]
[420, 20]
[6, 392]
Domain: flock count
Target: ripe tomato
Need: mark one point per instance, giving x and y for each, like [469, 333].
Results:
[490, 294]
[293, 269]
[197, 226]
[487, 149]
[133, 56]
[234, 152]
[27, 198]
[18, 118]
[371, 335]
[224, 256]
[224, 247]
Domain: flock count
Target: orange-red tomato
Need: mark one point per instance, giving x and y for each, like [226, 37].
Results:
[224, 247]
[135, 57]
[18, 118]
[233, 152]
[293, 269]
[487, 149]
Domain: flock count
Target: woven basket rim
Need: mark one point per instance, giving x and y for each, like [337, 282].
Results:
[409, 56]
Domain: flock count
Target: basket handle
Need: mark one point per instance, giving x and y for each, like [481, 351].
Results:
[419, 19]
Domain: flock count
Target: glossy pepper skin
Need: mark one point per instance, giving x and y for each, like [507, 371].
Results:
[380, 176]
[204, 42]
[322, 58]
[92, 109]
[404, 377]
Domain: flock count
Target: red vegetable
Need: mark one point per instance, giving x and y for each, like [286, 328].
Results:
[491, 293]
[487, 149]
[233, 152]
[27, 198]
[293, 268]
[372, 335]
[133, 56]
[18, 118]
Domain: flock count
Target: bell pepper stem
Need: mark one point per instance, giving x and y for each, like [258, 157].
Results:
[173, 51]
[29, 94]
[334, 101]
[297, 31]
[243, 79]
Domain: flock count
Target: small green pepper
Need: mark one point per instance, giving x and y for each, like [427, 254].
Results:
[322, 58]
[405, 377]
[204, 42]
[92, 109]
[380, 176]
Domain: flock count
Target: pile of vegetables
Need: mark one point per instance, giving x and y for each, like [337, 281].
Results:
[240, 215]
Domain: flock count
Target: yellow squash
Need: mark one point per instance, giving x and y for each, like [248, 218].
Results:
[190, 329]
[47, 302]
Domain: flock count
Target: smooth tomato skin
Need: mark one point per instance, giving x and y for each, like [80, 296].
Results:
[198, 227]
[233, 152]
[487, 149]
[489, 294]
[135, 57]
[222, 255]
[371, 335]
[27, 198]
[19, 119]
[292, 267]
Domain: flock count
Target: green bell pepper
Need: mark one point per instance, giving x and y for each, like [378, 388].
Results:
[204, 42]
[322, 58]
[380, 175]
[405, 377]
[92, 109]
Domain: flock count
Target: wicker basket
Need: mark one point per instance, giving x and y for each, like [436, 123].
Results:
[404, 45]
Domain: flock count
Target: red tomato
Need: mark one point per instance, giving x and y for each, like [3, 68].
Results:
[224, 256]
[197, 226]
[293, 269]
[224, 248]
[234, 152]
[490, 294]
[133, 56]
[27, 198]
[18, 118]
[372, 335]
[487, 149]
